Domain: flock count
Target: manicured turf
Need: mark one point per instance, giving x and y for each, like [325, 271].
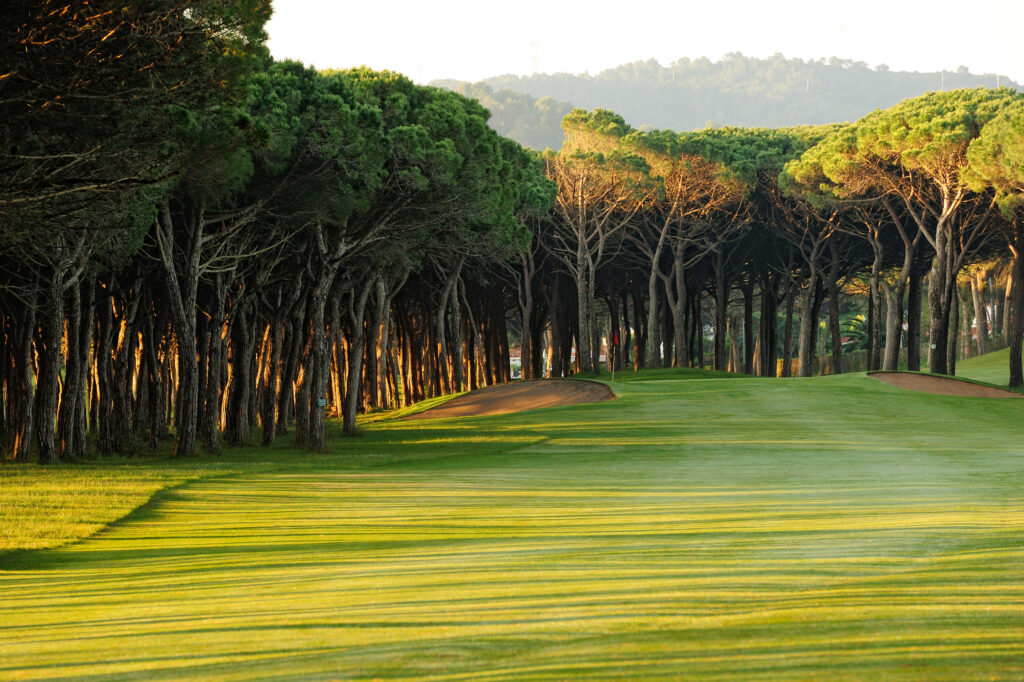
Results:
[993, 367]
[828, 528]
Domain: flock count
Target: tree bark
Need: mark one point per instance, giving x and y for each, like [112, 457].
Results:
[1015, 326]
[914, 319]
[356, 310]
[980, 313]
[808, 325]
[787, 334]
[748, 327]
[721, 310]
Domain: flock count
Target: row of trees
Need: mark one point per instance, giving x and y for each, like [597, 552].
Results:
[198, 241]
[647, 227]
[196, 236]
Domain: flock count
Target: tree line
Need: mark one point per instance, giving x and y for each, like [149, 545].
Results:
[660, 236]
[200, 243]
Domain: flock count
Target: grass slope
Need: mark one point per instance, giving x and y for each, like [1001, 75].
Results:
[831, 528]
[993, 368]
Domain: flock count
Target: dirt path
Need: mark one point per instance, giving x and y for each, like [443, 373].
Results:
[518, 396]
[928, 383]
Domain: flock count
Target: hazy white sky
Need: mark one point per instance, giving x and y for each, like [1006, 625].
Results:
[474, 39]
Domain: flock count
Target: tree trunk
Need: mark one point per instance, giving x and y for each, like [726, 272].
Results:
[583, 357]
[954, 332]
[874, 309]
[980, 313]
[1004, 325]
[808, 327]
[654, 344]
[212, 399]
[787, 333]
[356, 311]
[47, 386]
[181, 289]
[748, 327]
[320, 362]
[458, 381]
[768, 329]
[721, 310]
[893, 330]
[237, 421]
[526, 317]
[72, 400]
[271, 378]
[1015, 325]
[914, 319]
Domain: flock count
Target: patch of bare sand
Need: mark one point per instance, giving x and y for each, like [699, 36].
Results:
[518, 396]
[930, 383]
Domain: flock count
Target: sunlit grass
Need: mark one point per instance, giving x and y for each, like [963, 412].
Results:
[993, 367]
[833, 528]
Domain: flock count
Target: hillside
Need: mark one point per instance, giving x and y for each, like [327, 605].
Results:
[692, 94]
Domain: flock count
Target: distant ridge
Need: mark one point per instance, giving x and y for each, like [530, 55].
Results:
[691, 94]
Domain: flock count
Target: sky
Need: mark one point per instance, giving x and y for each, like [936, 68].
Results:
[473, 39]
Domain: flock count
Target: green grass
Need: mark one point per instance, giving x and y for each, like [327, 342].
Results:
[993, 368]
[831, 528]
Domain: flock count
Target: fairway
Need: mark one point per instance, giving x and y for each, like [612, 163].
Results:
[725, 528]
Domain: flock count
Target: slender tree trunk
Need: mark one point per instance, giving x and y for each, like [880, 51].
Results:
[914, 319]
[787, 334]
[356, 311]
[874, 309]
[1008, 303]
[21, 397]
[47, 386]
[295, 342]
[582, 310]
[679, 302]
[954, 332]
[808, 325]
[721, 310]
[980, 313]
[458, 382]
[654, 342]
[271, 377]
[211, 407]
[320, 364]
[748, 327]
[734, 345]
[1015, 325]
[181, 289]
[768, 329]
[893, 331]
[73, 391]
[236, 425]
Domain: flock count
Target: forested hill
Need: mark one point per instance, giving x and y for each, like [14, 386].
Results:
[692, 94]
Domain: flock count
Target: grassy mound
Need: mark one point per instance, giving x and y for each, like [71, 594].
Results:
[993, 368]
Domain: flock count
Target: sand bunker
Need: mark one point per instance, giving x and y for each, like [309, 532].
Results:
[518, 396]
[929, 383]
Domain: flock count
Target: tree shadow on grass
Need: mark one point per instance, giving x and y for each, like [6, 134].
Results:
[36, 559]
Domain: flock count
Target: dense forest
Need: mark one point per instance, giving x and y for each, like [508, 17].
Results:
[201, 245]
[692, 94]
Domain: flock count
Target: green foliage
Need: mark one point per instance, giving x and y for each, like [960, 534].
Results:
[926, 136]
[996, 158]
[930, 133]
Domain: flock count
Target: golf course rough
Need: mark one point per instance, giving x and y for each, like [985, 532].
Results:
[830, 528]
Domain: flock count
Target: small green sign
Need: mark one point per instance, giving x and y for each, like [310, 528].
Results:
[321, 402]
